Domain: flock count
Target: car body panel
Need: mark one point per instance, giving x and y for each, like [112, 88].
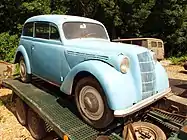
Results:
[161, 74]
[111, 81]
[48, 52]
[158, 48]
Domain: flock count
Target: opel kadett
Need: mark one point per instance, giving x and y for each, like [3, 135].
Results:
[107, 79]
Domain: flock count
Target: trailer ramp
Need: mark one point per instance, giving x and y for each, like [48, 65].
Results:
[57, 115]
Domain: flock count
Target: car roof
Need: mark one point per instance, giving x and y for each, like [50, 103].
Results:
[127, 39]
[59, 19]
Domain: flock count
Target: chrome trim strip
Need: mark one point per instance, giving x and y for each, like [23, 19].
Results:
[142, 104]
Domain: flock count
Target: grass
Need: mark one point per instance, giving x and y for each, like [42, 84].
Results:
[16, 71]
[178, 60]
[1, 103]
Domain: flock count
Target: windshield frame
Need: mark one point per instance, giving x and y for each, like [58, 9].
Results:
[107, 36]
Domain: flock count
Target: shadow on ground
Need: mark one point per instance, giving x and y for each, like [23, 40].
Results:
[9, 103]
[179, 87]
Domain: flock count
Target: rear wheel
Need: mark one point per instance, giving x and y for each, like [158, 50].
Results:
[92, 104]
[143, 131]
[25, 77]
[36, 125]
[21, 111]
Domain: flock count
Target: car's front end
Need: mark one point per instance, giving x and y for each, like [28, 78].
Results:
[150, 83]
[129, 75]
[144, 82]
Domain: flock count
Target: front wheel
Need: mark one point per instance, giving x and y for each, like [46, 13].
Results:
[91, 103]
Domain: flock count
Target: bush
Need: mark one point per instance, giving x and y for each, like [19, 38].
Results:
[178, 60]
[8, 45]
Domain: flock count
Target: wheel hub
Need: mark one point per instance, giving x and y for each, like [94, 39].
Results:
[91, 103]
[22, 69]
[145, 133]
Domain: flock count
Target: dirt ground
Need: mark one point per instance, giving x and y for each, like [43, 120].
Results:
[10, 129]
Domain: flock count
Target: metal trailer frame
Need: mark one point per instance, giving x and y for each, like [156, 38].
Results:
[61, 117]
[55, 111]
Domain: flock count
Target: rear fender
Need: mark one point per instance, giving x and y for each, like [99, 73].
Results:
[21, 51]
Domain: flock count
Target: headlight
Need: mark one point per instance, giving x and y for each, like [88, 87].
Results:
[124, 65]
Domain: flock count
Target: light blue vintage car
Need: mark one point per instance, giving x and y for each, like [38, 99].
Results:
[75, 53]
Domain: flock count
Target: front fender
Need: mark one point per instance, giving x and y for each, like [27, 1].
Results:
[21, 50]
[162, 81]
[119, 88]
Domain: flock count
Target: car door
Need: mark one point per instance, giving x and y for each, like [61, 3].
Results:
[27, 38]
[46, 51]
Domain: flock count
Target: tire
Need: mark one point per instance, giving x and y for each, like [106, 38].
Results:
[21, 111]
[92, 104]
[25, 77]
[152, 130]
[36, 125]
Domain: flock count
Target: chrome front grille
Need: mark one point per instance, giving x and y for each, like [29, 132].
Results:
[148, 78]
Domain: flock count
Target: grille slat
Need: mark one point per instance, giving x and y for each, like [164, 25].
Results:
[148, 78]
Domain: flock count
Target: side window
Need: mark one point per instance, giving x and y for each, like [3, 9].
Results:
[54, 34]
[28, 29]
[145, 43]
[153, 44]
[160, 44]
[42, 30]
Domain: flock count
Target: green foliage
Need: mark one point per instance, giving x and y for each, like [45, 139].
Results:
[178, 60]
[8, 45]
[164, 19]
[1, 104]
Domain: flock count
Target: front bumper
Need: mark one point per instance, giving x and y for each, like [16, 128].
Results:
[142, 104]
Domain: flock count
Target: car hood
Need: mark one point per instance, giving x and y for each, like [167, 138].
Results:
[79, 50]
[104, 46]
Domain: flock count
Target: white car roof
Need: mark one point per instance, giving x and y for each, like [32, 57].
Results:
[59, 19]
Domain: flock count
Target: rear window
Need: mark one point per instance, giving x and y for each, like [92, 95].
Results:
[28, 29]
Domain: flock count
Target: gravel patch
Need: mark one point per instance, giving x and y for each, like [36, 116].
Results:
[176, 72]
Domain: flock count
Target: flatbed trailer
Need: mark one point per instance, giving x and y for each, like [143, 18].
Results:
[59, 113]
[55, 111]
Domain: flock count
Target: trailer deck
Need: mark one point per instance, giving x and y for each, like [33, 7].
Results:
[54, 111]
[60, 113]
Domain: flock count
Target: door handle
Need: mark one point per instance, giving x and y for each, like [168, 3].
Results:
[32, 47]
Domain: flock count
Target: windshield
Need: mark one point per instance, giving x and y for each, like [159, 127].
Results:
[74, 30]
